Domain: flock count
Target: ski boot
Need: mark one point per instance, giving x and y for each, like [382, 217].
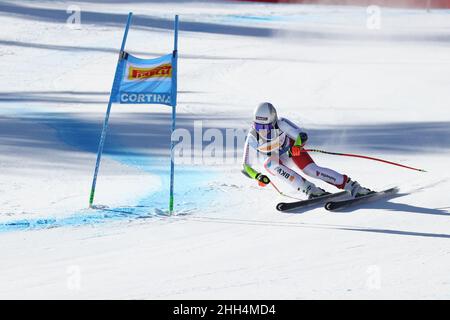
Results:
[355, 189]
[314, 192]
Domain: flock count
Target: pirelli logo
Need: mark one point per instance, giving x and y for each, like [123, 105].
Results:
[161, 71]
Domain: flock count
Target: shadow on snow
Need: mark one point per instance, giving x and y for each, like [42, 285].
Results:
[267, 223]
[148, 133]
[54, 15]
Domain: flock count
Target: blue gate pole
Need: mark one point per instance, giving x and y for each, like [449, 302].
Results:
[174, 112]
[108, 110]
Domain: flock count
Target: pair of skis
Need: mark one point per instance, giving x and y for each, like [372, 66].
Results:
[332, 201]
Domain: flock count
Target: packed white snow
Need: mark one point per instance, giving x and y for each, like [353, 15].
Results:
[357, 85]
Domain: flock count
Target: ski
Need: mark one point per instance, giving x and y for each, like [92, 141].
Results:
[336, 205]
[287, 206]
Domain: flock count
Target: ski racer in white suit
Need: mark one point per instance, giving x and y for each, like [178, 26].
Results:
[277, 145]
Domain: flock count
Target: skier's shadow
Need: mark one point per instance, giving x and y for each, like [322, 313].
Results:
[383, 204]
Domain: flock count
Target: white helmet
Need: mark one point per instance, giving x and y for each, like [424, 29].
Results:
[265, 113]
[265, 121]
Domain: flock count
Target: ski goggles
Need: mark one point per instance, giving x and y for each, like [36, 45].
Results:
[260, 126]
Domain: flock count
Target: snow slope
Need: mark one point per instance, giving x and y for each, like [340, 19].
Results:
[382, 93]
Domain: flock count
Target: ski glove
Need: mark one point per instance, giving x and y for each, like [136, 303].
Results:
[263, 180]
[296, 149]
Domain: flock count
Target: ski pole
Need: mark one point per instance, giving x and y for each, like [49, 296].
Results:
[281, 193]
[363, 157]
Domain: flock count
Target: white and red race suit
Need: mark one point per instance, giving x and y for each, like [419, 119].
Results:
[275, 160]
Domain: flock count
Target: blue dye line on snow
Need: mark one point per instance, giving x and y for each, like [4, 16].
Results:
[191, 193]
[296, 18]
[256, 18]
[191, 190]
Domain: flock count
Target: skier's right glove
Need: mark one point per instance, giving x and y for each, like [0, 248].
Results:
[296, 151]
[263, 180]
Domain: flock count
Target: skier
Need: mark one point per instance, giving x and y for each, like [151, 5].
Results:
[279, 143]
